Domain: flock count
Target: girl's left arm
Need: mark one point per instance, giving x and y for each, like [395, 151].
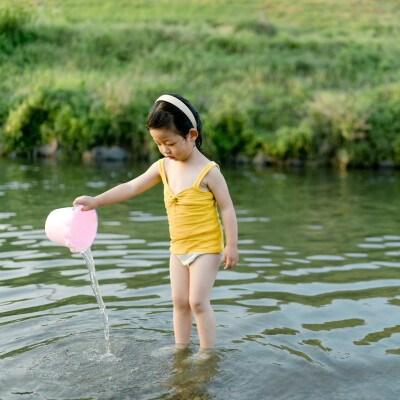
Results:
[219, 188]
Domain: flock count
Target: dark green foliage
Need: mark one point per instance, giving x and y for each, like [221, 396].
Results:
[287, 80]
[228, 131]
[44, 115]
[76, 120]
[22, 130]
[14, 20]
[120, 124]
[260, 27]
[384, 119]
[294, 142]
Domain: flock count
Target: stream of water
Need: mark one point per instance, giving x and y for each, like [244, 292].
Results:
[311, 311]
[88, 257]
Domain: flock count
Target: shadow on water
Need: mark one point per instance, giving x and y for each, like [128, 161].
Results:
[310, 312]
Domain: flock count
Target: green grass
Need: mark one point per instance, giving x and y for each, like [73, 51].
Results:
[314, 80]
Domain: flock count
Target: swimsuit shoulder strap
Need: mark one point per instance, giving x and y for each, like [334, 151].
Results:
[162, 170]
[204, 172]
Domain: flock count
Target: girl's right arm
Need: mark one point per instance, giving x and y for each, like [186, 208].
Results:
[122, 192]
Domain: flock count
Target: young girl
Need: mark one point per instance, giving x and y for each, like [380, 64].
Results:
[193, 186]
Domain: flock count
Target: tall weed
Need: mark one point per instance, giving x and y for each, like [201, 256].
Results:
[228, 130]
[14, 18]
[338, 120]
[22, 131]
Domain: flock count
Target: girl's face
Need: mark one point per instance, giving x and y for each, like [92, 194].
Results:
[172, 145]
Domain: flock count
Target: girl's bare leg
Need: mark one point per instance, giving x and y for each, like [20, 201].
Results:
[182, 315]
[203, 271]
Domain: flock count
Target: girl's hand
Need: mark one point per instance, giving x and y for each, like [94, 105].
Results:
[230, 256]
[88, 202]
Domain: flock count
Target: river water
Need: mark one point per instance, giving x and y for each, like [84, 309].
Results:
[312, 310]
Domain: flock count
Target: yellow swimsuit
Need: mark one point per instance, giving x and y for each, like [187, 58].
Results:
[194, 225]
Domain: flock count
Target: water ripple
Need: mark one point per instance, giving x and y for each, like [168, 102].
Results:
[304, 301]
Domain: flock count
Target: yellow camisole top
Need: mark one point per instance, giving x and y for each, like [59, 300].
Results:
[194, 225]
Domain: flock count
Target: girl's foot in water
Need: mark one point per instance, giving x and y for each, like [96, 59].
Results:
[181, 350]
[203, 355]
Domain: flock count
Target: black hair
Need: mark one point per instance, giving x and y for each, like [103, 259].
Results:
[166, 115]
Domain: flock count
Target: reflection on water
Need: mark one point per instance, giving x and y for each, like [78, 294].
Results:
[310, 312]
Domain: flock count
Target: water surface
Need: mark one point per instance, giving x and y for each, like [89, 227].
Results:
[312, 310]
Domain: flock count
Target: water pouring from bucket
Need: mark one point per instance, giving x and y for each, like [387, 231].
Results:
[76, 229]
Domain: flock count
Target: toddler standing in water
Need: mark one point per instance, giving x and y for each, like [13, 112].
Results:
[193, 186]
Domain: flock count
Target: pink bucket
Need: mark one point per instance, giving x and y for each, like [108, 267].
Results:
[72, 227]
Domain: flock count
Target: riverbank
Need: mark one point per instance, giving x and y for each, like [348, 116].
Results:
[306, 81]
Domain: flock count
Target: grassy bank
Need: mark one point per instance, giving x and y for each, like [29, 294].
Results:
[308, 79]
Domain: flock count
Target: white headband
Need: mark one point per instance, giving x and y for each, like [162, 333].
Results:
[181, 105]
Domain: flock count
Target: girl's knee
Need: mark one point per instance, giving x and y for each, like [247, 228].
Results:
[180, 303]
[199, 305]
